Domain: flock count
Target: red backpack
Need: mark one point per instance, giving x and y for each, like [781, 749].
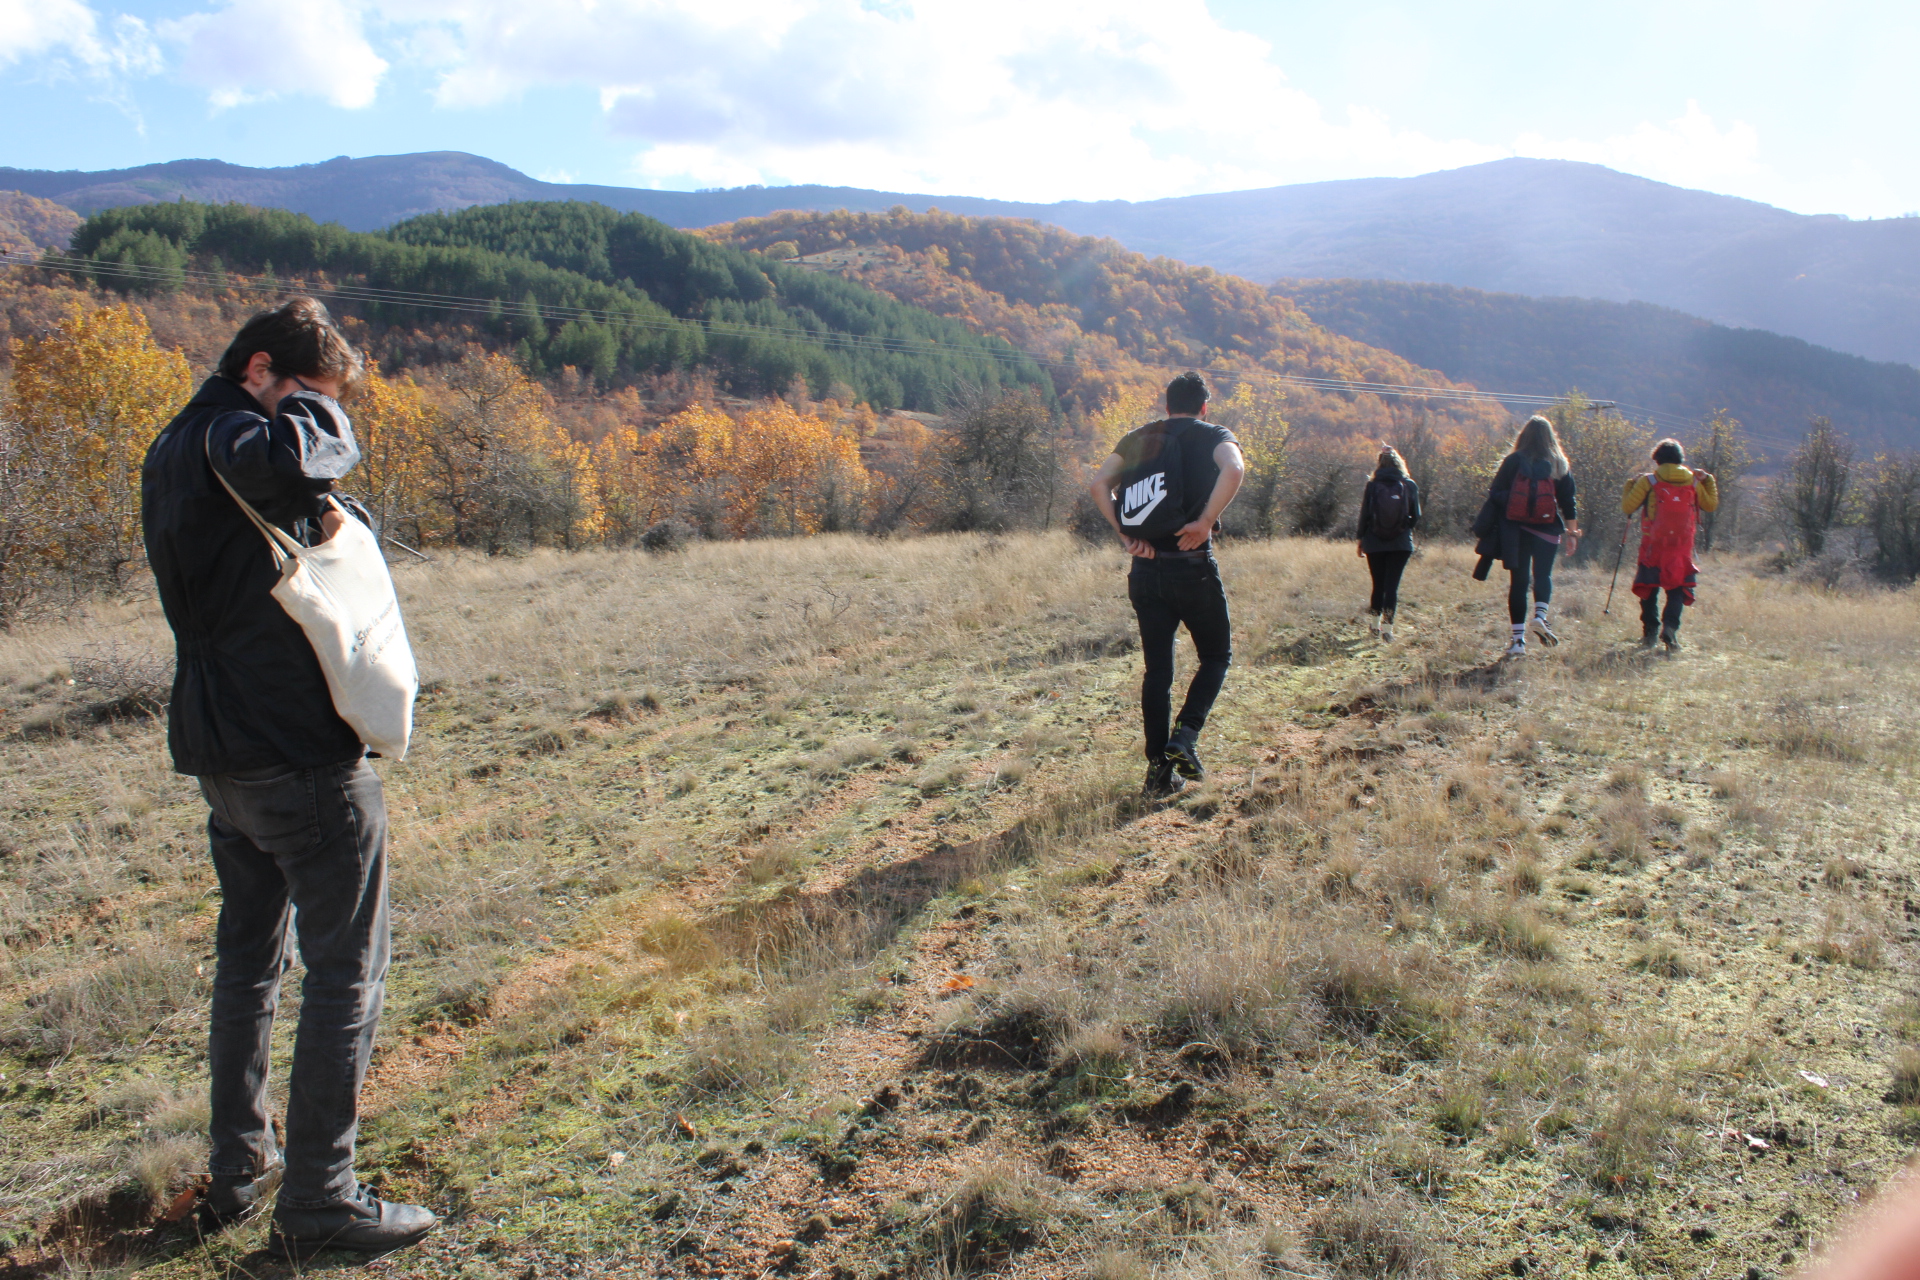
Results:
[1531, 500]
[1672, 514]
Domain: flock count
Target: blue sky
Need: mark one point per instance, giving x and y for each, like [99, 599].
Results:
[1807, 106]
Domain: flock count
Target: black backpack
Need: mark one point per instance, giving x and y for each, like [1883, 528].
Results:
[1390, 504]
[1149, 497]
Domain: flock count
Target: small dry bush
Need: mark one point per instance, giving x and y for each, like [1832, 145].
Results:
[997, 1211]
[1460, 1112]
[114, 1007]
[1093, 1062]
[124, 681]
[1525, 877]
[1906, 1077]
[1850, 935]
[1364, 988]
[1663, 960]
[1112, 1264]
[1231, 975]
[743, 1054]
[1635, 1138]
[1627, 779]
[848, 753]
[1375, 1238]
[1801, 728]
[1624, 830]
[1514, 931]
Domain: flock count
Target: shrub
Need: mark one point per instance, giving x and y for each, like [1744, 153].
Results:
[1906, 1077]
[1376, 1237]
[998, 1211]
[116, 1006]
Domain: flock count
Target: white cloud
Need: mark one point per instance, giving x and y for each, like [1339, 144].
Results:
[257, 49]
[1691, 151]
[69, 32]
[1040, 99]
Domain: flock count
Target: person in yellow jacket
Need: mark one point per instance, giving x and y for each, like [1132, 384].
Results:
[1670, 499]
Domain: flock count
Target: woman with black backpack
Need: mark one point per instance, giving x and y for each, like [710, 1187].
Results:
[1389, 509]
[1529, 509]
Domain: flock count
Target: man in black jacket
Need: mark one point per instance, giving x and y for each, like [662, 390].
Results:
[299, 822]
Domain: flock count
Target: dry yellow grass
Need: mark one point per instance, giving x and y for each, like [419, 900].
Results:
[824, 852]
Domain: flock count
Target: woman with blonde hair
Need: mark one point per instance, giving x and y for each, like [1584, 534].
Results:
[1530, 507]
[1389, 509]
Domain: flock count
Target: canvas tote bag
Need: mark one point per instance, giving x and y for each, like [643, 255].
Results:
[342, 596]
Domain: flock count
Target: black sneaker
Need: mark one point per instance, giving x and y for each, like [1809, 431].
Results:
[1184, 755]
[1670, 637]
[1160, 780]
[365, 1224]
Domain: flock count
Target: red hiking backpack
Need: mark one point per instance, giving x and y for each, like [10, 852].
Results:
[1531, 500]
[1672, 514]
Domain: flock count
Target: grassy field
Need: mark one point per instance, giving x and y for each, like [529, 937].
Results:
[786, 908]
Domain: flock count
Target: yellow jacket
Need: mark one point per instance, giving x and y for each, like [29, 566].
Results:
[1705, 491]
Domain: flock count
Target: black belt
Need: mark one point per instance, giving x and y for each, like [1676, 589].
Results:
[1178, 555]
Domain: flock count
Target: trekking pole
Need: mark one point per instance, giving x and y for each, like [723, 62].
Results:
[409, 550]
[1618, 556]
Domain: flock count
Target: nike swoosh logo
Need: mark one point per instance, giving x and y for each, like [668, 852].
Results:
[1143, 512]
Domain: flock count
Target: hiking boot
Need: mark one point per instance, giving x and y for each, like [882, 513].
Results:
[1649, 637]
[1386, 627]
[232, 1199]
[1547, 637]
[363, 1223]
[1670, 637]
[1160, 780]
[1183, 753]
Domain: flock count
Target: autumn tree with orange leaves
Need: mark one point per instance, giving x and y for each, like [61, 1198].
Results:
[87, 399]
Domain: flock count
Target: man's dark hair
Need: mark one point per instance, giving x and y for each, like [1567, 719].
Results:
[1669, 451]
[300, 339]
[1188, 393]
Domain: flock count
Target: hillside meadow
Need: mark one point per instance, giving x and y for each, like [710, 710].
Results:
[787, 907]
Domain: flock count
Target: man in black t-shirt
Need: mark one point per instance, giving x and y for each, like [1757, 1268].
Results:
[1175, 580]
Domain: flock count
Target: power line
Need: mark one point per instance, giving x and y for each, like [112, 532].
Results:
[1004, 354]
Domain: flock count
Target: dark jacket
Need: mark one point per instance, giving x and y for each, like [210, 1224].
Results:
[1372, 543]
[1500, 538]
[247, 689]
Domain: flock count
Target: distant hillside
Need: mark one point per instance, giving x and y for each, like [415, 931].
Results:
[1645, 355]
[1537, 227]
[1103, 315]
[632, 296]
[29, 224]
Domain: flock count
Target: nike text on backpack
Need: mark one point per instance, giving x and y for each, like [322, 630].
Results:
[342, 596]
[1150, 499]
[1532, 500]
[1389, 509]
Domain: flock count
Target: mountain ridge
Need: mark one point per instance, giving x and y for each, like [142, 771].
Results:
[1542, 228]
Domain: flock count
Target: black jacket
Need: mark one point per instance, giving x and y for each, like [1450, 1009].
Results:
[1498, 537]
[247, 689]
[1372, 543]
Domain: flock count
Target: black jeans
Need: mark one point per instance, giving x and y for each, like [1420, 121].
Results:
[1538, 554]
[1652, 617]
[315, 841]
[1165, 595]
[1386, 568]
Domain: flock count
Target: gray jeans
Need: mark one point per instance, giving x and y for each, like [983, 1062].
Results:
[310, 843]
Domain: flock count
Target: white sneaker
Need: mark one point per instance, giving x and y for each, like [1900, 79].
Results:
[1518, 649]
[1386, 635]
[1546, 633]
